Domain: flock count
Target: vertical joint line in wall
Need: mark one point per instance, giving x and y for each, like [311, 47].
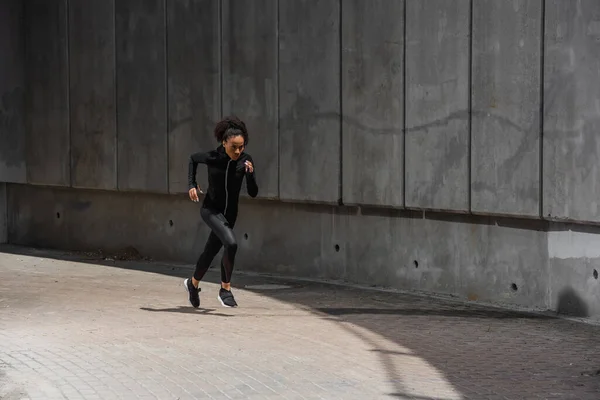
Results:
[404, 174]
[26, 85]
[341, 89]
[68, 55]
[541, 111]
[278, 102]
[115, 94]
[470, 103]
[220, 13]
[541, 137]
[166, 94]
[5, 212]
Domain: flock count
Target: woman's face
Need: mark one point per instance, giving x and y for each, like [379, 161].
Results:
[234, 146]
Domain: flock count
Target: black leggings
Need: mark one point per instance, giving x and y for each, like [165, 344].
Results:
[221, 235]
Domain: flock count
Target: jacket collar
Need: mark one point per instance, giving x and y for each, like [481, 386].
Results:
[222, 154]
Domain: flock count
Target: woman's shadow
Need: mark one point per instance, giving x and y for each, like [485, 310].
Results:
[186, 310]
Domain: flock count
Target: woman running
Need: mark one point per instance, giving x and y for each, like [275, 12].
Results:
[227, 166]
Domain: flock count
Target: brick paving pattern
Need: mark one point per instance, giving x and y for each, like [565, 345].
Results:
[72, 328]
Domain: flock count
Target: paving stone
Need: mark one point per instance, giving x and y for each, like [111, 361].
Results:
[79, 328]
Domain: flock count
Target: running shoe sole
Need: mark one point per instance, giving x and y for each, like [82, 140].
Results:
[223, 304]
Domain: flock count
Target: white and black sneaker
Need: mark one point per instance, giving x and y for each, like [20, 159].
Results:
[226, 298]
[193, 292]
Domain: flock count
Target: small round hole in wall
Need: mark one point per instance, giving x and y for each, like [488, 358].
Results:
[416, 263]
[246, 236]
[337, 247]
[514, 287]
[595, 274]
[57, 215]
[170, 222]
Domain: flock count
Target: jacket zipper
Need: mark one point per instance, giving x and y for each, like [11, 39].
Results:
[226, 192]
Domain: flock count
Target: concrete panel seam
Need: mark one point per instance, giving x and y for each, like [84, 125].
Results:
[541, 110]
[404, 174]
[221, 56]
[25, 93]
[167, 125]
[278, 103]
[68, 66]
[116, 94]
[4, 212]
[341, 108]
[469, 156]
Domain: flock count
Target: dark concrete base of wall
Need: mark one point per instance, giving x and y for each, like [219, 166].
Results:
[533, 264]
[3, 214]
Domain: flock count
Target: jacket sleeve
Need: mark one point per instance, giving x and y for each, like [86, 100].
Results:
[195, 159]
[251, 185]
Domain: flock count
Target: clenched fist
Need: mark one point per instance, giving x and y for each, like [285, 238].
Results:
[193, 192]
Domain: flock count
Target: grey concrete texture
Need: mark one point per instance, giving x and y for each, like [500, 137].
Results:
[511, 262]
[372, 109]
[309, 100]
[574, 268]
[194, 85]
[76, 220]
[159, 79]
[505, 137]
[571, 161]
[437, 104]
[92, 97]
[3, 214]
[250, 82]
[47, 93]
[12, 93]
[141, 95]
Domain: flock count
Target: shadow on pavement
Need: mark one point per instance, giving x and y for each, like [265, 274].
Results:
[424, 311]
[186, 310]
[482, 352]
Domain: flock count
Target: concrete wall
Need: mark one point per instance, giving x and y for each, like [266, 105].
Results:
[12, 92]
[47, 107]
[505, 100]
[3, 214]
[571, 160]
[372, 246]
[92, 99]
[521, 262]
[437, 104]
[464, 108]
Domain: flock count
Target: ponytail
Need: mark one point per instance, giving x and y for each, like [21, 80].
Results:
[229, 127]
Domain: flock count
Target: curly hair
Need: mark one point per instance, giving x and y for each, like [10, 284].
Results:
[229, 127]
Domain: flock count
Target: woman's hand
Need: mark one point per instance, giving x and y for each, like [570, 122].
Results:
[193, 192]
[249, 167]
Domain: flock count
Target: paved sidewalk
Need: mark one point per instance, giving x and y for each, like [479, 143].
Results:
[71, 328]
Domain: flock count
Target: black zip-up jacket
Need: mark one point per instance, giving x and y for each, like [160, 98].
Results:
[225, 177]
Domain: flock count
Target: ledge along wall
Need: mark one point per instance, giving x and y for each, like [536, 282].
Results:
[445, 147]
